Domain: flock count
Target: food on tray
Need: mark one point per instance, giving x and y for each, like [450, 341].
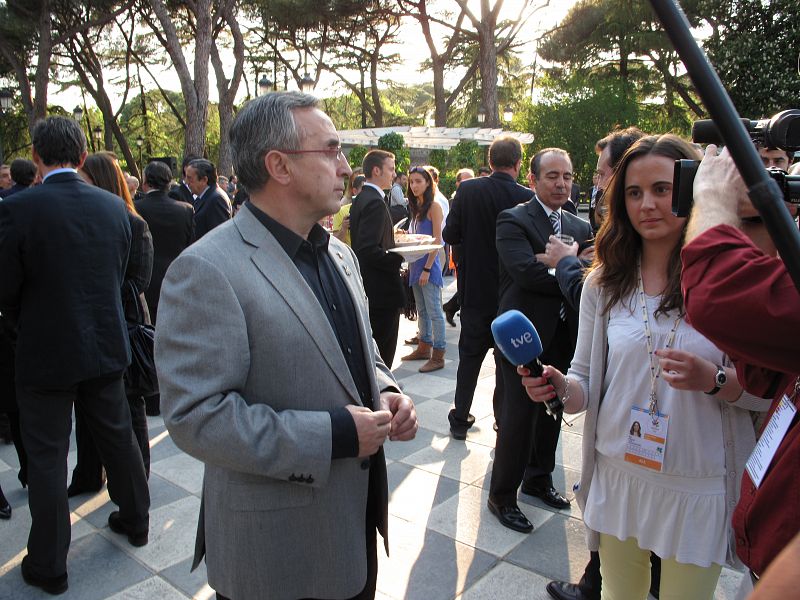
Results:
[412, 239]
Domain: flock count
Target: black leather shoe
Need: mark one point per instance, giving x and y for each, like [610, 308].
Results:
[547, 494]
[450, 316]
[511, 517]
[5, 512]
[51, 585]
[117, 526]
[561, 590]
[458, 429]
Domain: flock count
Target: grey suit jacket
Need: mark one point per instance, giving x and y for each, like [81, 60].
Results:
[249, 366]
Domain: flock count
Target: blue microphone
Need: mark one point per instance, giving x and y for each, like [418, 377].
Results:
[518, 340]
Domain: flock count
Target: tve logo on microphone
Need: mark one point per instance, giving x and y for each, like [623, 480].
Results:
[523, 340]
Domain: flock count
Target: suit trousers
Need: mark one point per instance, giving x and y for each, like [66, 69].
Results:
[88, 471]
[473, 344]
[46, 420]
[528, 436]
[385, 323]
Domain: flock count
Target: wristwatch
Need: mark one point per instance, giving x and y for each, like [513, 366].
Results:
[719, 380]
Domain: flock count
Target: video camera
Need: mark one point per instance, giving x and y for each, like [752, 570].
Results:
[781, 131]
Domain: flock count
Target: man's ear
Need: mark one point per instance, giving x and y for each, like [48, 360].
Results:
[277, 165]
[82, 159]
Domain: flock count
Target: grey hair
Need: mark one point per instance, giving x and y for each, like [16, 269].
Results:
[264, 124]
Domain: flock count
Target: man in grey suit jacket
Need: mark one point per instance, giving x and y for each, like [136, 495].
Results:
[270, 376]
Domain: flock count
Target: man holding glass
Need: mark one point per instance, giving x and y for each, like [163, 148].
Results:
[527, 435]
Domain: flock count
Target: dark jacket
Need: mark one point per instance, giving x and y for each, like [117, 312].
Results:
[211, 209]
[13, 190]
[172, 228]
[525, 284]
[371, 237]
[63, 250]
[471, 223]
[181, 193]
[138, 270]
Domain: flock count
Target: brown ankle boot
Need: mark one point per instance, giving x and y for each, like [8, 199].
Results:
[422, 352]
[435, 363]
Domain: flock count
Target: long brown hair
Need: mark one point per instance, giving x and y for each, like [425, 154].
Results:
[618, 247]
[419, 209]
[105, 172]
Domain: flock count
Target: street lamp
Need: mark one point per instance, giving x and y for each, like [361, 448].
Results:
[264, 85]
[306, 84]
[6, 98]
[140, 143]
[481, 115]
[77, 113]
[508, 113]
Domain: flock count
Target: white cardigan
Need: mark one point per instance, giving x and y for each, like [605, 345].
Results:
[592, 349]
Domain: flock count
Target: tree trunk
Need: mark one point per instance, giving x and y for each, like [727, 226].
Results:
[488, 70]
[194, 86]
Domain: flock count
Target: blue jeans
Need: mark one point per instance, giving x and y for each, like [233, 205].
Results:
[430, 314]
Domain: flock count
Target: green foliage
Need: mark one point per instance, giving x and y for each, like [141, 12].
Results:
[394, 143]
[356, 156]
[466, 154]
[438, 159]
[754, 48]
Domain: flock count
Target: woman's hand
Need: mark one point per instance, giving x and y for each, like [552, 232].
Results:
[538, 388]
[686, 371]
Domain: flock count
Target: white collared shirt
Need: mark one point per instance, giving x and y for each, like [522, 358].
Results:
[57, 171]
[382, 192]
[548, 211]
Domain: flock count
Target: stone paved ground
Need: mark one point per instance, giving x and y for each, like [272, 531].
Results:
[444, 543]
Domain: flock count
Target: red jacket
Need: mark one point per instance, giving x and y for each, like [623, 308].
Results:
[746, 303]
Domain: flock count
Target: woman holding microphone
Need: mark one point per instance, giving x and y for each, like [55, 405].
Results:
[672, 489]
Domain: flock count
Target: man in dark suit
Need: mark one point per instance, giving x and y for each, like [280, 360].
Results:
[62, 243]
[371, 237]
[180, 191]
[171, 224]
[471, 223]
[211, 205]
[527, 438]
[23, 172]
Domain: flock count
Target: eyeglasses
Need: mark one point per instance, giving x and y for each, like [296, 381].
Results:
[335, 154]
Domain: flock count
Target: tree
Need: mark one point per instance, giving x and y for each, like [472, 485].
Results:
[396, 144]
[754, 48]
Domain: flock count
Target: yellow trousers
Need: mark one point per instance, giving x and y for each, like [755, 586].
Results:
[626, 574]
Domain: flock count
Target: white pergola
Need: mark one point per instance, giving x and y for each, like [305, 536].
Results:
[429, 138]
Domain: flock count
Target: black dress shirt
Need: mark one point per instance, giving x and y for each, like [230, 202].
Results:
[316, 266]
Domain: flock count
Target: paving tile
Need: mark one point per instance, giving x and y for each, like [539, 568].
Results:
[569, 450]
[414, 492]
[4, 466]
[466, 518]
[96, 509]
[399, 450]
[155, 587]
[425, 565]
[455, 459]
[91, 561]
[181, 469]
[508, 581]
[432, 415]
[192, 583]
[162, 446]
[557, 549]
[12, 489]
[14, 535]
[172, 534]
[427, 384]
[482, 432]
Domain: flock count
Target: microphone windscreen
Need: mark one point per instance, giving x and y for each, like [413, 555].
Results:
[516, 337]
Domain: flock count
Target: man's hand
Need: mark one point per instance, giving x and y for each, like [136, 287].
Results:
[555, 250]
[720, 196]
[404, 425]
[587, 254]
[372, 427]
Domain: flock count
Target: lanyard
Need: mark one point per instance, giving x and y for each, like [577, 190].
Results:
[655, 368]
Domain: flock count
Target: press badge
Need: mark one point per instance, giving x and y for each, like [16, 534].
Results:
[647, 439]
[770, 439]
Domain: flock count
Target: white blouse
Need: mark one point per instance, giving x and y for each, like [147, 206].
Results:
[679, 512]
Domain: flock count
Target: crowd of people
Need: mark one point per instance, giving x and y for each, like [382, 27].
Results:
[276, 296]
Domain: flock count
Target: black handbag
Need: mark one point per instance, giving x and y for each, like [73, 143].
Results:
[140, 377]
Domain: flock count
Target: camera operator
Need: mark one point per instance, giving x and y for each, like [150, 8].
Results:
[740, 295]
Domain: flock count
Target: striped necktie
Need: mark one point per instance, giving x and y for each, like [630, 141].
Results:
[555, 221]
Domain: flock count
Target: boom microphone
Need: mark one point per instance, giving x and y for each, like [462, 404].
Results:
[520, 343]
